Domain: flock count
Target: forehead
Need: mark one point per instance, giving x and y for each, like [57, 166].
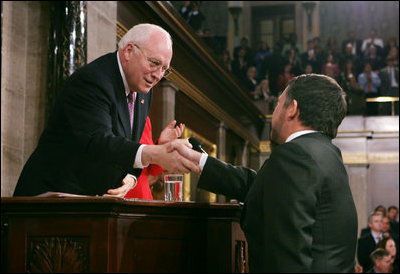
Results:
[158, 46]
[376, 218]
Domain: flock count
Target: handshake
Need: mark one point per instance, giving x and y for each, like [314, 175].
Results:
[173, 154]
[176, 156]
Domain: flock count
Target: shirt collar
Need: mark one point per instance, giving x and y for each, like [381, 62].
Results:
[376, 237]
[299, 133]
[127, 89]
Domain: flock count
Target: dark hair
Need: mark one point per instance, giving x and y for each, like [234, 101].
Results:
[378, 254]
[321, 102]
[393, 207]
[381, 208]
[382, 242]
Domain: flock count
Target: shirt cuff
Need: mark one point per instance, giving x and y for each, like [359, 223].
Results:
[202, 161]
[138, 158]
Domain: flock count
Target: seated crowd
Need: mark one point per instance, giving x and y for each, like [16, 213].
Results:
[364, 68]
[379, 242]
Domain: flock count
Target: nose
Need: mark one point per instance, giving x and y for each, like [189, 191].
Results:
[158, 74]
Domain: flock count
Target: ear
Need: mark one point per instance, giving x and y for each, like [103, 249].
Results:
[128, 50]
[293, 110]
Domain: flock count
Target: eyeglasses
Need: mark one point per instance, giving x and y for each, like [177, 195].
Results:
[155, 64]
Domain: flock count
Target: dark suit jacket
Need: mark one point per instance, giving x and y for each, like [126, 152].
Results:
[299, 214]
[386, 82]
[358, 45]
[88, 146]
[366, 244]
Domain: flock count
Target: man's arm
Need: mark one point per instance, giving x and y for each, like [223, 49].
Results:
[220, 177]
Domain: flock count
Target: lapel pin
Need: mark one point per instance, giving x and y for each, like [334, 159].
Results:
[142, 101]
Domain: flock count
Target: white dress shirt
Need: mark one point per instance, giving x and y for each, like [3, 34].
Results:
[138, 158]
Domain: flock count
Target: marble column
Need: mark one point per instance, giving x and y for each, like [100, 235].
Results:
[67, 45]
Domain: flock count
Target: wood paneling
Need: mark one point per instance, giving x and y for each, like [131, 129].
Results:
[99, 234]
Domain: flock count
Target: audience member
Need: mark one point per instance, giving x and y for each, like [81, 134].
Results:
[275, 66]
[372, 40]
[390, 44]
[392, 213]
[240, 64]
[370, 83]
[308, 69]
[373, 58]
[368, 242]
[348, 55]
[185, 9]
[381, 259]
[244, 46]
[389, 244]
[292, 43]
[355, 95]
[389, 76]
[355, 44]
[265, 100]
[330, 67]
[319, 53]
[309, 57]
[332, 47]
[260, 60]
[285, 77]
[251, 82]
[380, 209]
[293, 58]
[225, 60]
[394, 52]
[195, 17]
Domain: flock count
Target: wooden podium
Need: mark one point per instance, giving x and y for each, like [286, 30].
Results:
[102, 234]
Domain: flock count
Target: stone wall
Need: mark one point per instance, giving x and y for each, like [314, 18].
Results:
[25, 30]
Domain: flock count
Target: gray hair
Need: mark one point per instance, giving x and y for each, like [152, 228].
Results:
[372, 215]
[140, 34]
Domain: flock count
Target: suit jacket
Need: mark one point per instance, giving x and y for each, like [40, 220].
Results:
[88, 146]
[299, 214]
[366, 244]
[386, 79]
[358, 44]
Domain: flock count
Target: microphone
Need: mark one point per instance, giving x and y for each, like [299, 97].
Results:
[196, 145]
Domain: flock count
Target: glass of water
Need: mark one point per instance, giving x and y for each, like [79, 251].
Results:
[173, 184]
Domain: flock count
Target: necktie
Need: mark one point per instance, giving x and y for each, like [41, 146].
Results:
[130, 106]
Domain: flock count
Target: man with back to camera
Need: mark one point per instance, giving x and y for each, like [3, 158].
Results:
[299, 214]
[91, 143]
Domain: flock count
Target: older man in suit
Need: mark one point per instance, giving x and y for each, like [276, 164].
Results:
[299, 214]
[367, 243]
[91, 143]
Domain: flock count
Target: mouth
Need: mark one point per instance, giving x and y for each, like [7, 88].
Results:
[148, 83]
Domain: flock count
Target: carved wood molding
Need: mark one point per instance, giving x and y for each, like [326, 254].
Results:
[58, 254]
[200, 98]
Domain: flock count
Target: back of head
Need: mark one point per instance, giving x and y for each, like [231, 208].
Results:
[379, 254]
[321, 102]
[140, 33]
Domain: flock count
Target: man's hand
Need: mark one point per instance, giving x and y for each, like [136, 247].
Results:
[169, 158]
[186, 151]
[171, 132]
[128, 183]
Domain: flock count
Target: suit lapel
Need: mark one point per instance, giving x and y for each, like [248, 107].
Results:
[139, 117]
[123, 113]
